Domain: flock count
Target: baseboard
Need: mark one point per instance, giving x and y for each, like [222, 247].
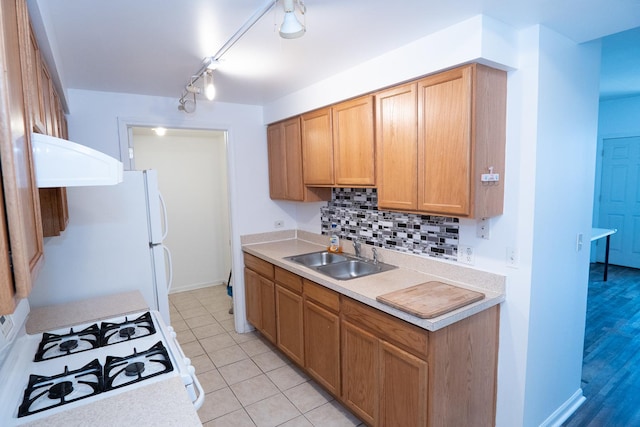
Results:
[561, 414]
[194, 286]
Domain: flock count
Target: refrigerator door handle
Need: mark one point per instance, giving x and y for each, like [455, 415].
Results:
[164, 217]
[170, 264]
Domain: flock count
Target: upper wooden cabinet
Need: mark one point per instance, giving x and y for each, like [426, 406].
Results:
[436, 137]
[338, 144]
[35, 88]
[44, 115]
[285, 164]
[397, 147]
[22, 242]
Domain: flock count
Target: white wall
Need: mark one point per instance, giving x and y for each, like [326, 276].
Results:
[551, 118]
[93, 121]
[565, 167]
[192, 177]
[477, 39]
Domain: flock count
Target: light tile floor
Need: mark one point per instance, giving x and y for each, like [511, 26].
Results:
[247, 381]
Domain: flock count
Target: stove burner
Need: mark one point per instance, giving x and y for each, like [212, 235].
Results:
[134, 369]
[60, 390]
[129, 329]
[68, 345]
[127, 332]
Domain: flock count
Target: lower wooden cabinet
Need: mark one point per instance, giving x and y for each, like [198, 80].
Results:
[402, 387]
[289, 324]
[260, 296]
[388, 372]
[382, 383]
[322, 336]
[360, 372]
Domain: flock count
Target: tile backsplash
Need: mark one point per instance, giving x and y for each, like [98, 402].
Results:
[355, 210]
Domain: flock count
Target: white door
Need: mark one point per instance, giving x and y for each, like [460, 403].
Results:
[620, 200]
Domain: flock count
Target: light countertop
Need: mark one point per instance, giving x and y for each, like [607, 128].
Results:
[48, 318]
[411, 271]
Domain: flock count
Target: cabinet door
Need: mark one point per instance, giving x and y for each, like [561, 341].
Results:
[317, 147]
[322, 346]
[397, 148]
[402, 388]
[268, 309]
[444, 142]
[289, 319]
[353, 142]
[293, 158]
[35, 86]
[21, 202]
[46, 98]
[360, 370]
[252, 298]
[277, 162]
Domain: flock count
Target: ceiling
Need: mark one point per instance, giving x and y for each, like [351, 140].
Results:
[152, 47]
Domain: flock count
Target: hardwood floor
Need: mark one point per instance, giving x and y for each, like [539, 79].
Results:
[611, 367]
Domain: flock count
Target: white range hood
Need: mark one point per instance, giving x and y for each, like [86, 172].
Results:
[62, 163]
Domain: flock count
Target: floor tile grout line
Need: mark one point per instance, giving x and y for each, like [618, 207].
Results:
[270, 348]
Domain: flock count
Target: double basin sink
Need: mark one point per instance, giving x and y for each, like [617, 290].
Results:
[340, 266]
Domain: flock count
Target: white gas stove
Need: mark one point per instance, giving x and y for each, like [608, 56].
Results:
[45, 374]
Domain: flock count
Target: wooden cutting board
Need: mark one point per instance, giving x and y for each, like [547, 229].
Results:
[430, 299]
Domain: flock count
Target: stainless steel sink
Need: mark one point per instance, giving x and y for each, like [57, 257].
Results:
[352, 269]
[340, 266]
[315, 259]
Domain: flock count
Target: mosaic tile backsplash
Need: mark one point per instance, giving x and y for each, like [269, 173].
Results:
[355, 210]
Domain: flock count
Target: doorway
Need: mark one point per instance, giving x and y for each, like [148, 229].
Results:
[619, 196]
[192, 177]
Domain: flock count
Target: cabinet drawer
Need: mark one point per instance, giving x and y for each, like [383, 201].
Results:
[323, 296]
[388, 328]
[261, 267]
[289, 280]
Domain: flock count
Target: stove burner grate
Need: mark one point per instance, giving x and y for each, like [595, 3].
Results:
[129, 329]
[44, 392]
[122, 371]
[53, 345]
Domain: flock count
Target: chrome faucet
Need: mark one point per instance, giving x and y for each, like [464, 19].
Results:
[356, 248]
[375, 255]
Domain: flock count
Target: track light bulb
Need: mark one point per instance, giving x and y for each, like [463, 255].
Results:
[209, 88]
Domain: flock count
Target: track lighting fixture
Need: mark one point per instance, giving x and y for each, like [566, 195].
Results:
[209, 88]
[291, 28]
[206, 74]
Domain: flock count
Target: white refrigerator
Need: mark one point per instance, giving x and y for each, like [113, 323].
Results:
[113, 243]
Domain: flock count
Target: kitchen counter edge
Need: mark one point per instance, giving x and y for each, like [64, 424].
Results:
[365, 289]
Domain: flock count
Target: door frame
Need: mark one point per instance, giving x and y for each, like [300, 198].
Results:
[125, 124]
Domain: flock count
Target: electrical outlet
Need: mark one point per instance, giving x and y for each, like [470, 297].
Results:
[466, 255]
[490, 177]
[579, 242]
[483, 228]
[513, 257]
[278, 224]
